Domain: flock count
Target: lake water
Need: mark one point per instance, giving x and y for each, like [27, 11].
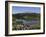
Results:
[28, 22]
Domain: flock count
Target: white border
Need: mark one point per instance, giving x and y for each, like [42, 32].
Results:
[24, 31]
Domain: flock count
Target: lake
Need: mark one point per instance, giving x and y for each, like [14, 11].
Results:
[31, 22]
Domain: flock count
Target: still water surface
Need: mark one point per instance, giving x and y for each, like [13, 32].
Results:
[31, 22]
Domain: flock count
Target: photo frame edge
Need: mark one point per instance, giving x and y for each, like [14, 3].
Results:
[6, 18]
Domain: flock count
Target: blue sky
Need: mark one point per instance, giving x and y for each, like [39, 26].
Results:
[20, 9]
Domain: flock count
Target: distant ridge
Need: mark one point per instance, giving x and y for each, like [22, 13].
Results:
[25, 14]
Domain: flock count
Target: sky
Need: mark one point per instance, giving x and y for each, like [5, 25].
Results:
[20, 9]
